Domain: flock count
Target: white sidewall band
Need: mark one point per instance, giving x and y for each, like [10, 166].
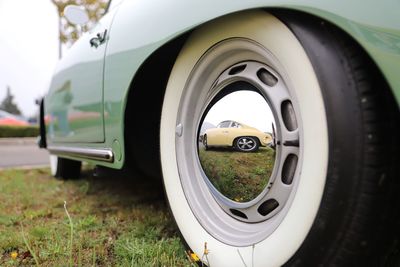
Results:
[53, 164]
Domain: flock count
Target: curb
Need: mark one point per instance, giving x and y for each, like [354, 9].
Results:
[18, 141]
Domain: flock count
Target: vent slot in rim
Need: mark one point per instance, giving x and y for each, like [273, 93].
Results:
[237, 69]
[266, 77]
[288, 115]
[267, 207]
[289, 168]
[238, 213]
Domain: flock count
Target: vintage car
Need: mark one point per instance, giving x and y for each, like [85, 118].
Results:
[237, 135]
[135, 89]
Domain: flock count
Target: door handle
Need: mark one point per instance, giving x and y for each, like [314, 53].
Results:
[99, 39]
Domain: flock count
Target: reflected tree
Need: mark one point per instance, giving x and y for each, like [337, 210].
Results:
[70, 33]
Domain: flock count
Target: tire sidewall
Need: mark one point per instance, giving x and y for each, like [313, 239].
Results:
[53, 159]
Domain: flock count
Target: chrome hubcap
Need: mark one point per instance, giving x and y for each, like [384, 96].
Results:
[229, 220]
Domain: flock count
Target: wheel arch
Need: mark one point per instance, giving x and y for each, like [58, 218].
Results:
[144, 108]
[355, 33]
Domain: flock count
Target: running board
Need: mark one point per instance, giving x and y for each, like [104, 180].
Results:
[100, 154]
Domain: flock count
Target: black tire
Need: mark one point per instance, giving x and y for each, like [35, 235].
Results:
[65, 169]
[357, 223]
[205, 142]
[355, 203]
[246, 144]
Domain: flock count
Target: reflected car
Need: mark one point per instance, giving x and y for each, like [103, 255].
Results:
[237, 135]
[134, 89]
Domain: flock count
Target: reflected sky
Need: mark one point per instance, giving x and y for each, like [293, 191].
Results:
[242, 106]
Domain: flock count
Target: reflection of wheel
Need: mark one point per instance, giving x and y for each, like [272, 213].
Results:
[205, 142]
[326, 195]
[246, 144]
[64, 168]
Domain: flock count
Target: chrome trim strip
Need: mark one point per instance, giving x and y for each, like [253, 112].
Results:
[101, 154]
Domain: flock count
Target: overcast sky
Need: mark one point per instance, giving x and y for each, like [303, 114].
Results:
[243, 106]
[28, 49]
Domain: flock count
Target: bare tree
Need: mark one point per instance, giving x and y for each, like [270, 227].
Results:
[8, 103]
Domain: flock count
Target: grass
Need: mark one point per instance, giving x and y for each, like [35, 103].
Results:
[237, 175]
[18, 131]
[108, 220]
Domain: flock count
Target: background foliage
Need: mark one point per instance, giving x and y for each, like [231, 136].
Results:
[19, 131]
[70, 33]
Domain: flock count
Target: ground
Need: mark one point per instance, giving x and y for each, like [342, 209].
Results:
[117, 220]
[237, 175]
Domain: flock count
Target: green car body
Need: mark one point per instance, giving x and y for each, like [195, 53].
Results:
[86, 106]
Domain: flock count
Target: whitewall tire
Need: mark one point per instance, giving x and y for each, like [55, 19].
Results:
[280, 42]
[63, 168]
[258, 40]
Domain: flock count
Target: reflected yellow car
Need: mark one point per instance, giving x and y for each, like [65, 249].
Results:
[240, 136]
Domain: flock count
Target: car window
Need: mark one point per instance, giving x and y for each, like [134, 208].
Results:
[224, 124]
[235, 125]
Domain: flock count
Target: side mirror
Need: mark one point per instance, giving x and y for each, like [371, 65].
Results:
[76, 15]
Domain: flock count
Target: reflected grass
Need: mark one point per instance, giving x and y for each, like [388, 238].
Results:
[238, 176]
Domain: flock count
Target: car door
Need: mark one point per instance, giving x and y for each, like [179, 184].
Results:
[234, 131]
[75, 100]
[225, 129]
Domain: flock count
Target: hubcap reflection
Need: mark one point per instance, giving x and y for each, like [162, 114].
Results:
[238, 188]
[236, 153]
[248, 142]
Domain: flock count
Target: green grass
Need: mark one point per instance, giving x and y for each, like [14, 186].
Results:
[116, 220]
[18, 131]
[237, 175]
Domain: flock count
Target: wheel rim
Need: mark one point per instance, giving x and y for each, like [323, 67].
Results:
[246, 143]
[234, 223]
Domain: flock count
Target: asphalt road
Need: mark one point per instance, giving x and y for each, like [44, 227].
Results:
[21, 152]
